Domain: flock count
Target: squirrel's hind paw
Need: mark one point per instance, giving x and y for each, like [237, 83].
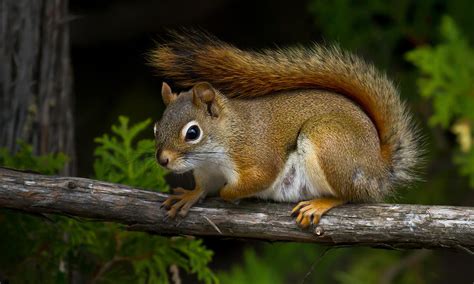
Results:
[181, 201]
[309, 212]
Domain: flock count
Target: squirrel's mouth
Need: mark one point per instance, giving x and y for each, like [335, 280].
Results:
[177, 170]
[180, 166]
[180, 171]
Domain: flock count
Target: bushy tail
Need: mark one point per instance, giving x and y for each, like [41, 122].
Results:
[194, 57]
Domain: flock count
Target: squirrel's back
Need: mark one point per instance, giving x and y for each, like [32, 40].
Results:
[195, 57]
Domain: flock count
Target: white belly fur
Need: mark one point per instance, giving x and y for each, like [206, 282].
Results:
[302, 177]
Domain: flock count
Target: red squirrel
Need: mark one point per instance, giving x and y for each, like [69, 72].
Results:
[314, 125]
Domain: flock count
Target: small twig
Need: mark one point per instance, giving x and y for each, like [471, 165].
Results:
[104, 268]
[463, 248]
[411, 259]
[315, 262]
[213, 225]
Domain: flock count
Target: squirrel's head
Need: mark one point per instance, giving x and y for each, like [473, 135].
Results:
[188, 134]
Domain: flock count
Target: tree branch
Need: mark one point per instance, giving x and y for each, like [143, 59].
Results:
[377, 225]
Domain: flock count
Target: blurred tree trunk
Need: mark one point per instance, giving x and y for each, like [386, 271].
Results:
[35, 77]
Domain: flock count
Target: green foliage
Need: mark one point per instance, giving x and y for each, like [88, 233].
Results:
[119, 160]
[284, 263]
[466, 164]
[254, 270]
[378, 266]
[447, 72]
[31, 249]
[187, 254]
[48, 251]
[24, 159]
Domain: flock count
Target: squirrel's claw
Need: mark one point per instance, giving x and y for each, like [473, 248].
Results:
[181, 202]
[310, 212]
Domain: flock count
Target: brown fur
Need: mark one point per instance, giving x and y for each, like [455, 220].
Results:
[275, 92]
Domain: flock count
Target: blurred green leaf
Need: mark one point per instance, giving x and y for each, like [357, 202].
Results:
[446, 77]
[119, 159]
[24, 159]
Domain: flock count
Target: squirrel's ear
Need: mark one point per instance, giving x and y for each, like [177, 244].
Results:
[167, 95]
[204, 93]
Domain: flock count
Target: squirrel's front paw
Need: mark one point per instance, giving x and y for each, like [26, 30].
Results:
[181, 201]
[310, 212]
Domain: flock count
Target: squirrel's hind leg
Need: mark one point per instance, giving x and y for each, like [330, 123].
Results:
[309, 212]
[342, 161]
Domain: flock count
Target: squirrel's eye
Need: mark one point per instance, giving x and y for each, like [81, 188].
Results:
[193, 133]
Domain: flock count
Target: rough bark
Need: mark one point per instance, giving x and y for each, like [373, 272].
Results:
[375, 225]
[36, 77]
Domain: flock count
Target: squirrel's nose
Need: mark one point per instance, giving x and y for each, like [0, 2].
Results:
[162, 157]
[163, 161]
